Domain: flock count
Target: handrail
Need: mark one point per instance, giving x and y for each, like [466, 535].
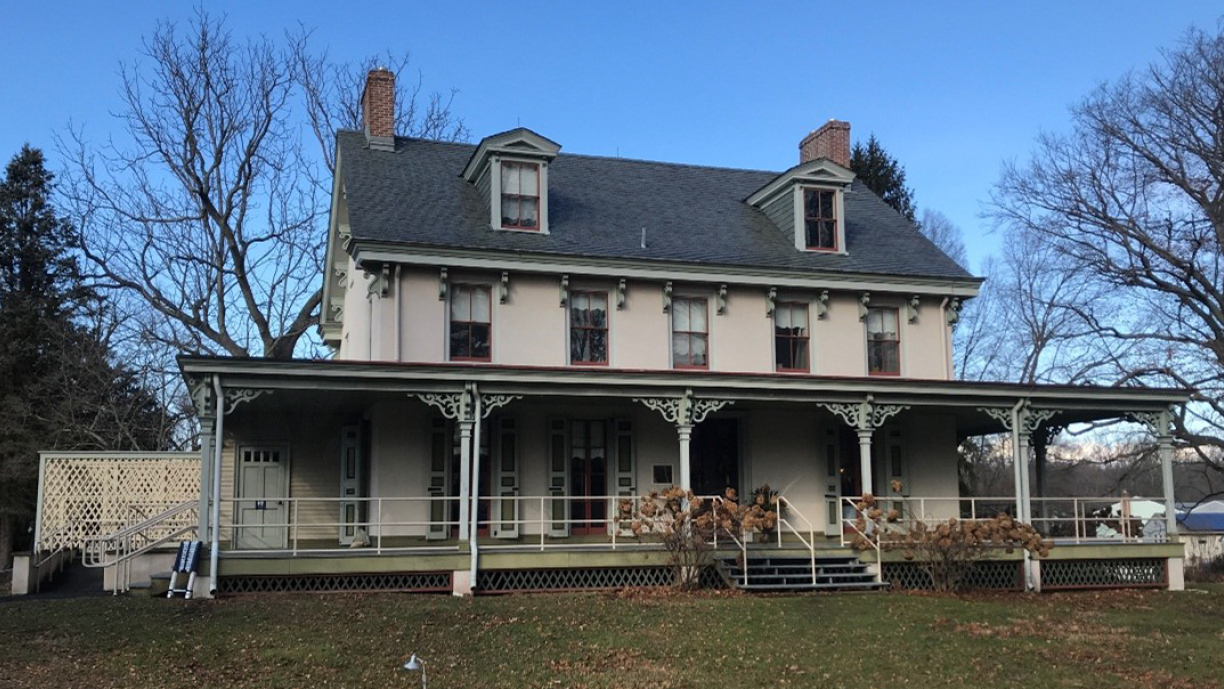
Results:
[743, 544]
[875, 543]
[131, 541]
[810, 541]
[151, 521]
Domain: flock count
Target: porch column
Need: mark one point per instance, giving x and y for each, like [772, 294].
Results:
[1164, 441]
[865, 417]
[465, 475]
[685, 432]
[864, 439]
[207, 428]
[685, 412]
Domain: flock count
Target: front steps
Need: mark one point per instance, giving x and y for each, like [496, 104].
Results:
[788, 572]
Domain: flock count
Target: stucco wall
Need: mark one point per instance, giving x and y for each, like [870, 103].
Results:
[531, 328]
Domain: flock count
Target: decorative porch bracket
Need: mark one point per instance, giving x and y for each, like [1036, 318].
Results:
[236, 396]
[685, 412]
[1160, 424]
[864, 417]
[1021, 421]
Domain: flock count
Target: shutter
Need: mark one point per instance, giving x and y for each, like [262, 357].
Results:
[558, 479]
[832, 477]
[350, 483]
[506, 474]
[439, 473]
[625, 470]
[896, 468]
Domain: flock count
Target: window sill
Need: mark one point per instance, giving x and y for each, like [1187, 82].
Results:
[794, 371]
[884, 374]
[589, 364]
[524, 230]
[690, 368]
[471, 360]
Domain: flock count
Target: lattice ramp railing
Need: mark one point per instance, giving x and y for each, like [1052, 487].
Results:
[422, 582]
[991, 575]
[86, 495]
[1118, 573]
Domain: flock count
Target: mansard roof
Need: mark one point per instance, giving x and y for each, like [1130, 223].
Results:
[416, 196]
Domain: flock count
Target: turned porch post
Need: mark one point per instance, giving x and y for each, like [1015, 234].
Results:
[865, 417]
[685, 434]
[465, 475]
[864, 439]
[685, 412]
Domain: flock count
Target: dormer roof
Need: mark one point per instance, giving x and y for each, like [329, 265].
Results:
[822, 171]
[518, 142]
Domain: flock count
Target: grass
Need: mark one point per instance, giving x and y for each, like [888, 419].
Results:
[1112, 639]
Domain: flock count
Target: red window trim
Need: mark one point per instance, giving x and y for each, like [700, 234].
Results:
[836, 221]
[518, 198]
[807, 338]
[705, 304]
[607, 329]
[867, 334]
[450, 322]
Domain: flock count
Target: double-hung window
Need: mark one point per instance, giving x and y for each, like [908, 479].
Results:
[470, 323]
[820, 219]
[883, 343]
[520, 196]
[690, 333]
[588, 328]
[791, 337]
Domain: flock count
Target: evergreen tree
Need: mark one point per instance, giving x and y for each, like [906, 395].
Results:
[883, 175]
[59, 388]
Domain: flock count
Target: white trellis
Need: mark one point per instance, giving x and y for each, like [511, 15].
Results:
[84, 494]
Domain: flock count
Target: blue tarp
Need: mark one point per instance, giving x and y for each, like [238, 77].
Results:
[1201, 521]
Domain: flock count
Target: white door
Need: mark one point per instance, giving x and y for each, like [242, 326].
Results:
[263, 485]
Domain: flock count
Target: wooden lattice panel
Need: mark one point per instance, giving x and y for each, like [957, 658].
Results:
[83, 495]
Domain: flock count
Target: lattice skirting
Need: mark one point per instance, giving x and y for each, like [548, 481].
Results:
[422, 582]
[1104, 574]
[992, 575]
[584, 579]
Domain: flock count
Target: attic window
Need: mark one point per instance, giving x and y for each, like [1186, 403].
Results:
[820, 219]
[520, 196]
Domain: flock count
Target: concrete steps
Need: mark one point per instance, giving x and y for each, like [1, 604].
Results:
[793, 573]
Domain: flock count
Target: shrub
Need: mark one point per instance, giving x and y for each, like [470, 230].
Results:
[947, 551]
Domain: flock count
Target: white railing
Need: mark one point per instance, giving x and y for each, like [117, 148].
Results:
[1073, 520]
[117, 550]
[786, 507]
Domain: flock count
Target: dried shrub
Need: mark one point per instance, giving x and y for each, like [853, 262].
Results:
[946, 550]
[688, 526]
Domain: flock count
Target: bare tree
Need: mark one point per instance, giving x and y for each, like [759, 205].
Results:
[944, 234]
[1134, 196]
[207, 214]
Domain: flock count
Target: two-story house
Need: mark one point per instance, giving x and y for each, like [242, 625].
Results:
[525, 337]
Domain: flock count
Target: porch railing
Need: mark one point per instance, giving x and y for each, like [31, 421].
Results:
[1072, 520]
[146, 533]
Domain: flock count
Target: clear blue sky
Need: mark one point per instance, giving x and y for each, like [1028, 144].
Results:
[951, 89]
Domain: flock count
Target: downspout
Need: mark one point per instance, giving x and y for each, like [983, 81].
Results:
[215, 547]
[947, 337]
[474, 493]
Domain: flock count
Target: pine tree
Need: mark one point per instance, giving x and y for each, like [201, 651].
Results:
[59, 387]
[883, 175]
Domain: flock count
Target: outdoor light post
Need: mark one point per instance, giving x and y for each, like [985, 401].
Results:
[414, 663]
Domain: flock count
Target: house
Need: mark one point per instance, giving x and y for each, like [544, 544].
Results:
[524, 338]
[1202, 528]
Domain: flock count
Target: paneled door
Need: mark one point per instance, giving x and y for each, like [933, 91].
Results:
[588, 477]
[263, 485]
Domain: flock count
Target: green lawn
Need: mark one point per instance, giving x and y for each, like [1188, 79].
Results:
[1114, 639]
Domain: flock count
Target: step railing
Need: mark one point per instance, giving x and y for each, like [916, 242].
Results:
[850, 528]
[787, 507]
[740, 542]
[117, 550]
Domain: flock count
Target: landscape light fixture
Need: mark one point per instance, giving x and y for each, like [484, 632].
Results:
[414, 663]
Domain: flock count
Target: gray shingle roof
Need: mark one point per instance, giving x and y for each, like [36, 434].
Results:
[598, 207]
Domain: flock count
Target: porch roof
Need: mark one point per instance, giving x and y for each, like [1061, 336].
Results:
[962, 399]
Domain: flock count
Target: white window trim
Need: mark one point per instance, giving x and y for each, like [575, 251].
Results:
[797, 192]
[495, 167]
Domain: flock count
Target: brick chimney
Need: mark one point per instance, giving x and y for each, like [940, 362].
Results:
[378, 108]
[831, 141]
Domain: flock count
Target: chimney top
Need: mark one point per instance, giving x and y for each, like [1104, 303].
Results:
[378, 109]
[831, 140]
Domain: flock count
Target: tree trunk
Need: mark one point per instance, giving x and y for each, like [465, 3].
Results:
[6, 542]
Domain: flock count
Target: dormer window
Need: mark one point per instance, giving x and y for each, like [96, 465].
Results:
[520, 196]
[820, 219]
[510, 170]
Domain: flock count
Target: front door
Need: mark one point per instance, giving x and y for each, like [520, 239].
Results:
[263, 485]
[714, 457]
[588, 477]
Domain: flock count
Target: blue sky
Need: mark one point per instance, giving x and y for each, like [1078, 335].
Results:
[951, 89]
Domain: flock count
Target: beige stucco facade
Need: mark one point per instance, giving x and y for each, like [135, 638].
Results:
[530, 326]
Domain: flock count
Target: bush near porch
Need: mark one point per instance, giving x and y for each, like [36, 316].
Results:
[1110, 639]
